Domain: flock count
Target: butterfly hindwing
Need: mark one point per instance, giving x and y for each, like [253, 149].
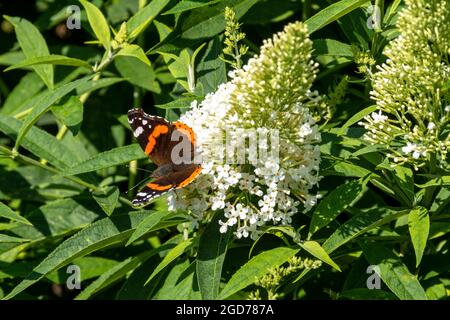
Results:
[149, 192]
[179, 177]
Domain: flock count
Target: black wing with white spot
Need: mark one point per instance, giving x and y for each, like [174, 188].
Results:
[147, 194]
[143, 124]
[153, 134]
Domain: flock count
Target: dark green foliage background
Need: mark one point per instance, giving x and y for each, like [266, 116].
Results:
[73, 194]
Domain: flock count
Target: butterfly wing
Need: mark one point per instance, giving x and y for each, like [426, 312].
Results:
[183, 175]
[182, 145]
[152, 133]
[158, 138]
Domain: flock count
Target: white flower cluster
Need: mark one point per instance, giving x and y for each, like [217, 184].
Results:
[410, 88]
[270, 93]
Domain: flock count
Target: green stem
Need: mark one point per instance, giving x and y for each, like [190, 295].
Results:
[428, 198]
[4, 87]
[306, 10]
[376, 37]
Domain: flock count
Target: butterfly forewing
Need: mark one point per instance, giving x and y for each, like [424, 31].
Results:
[152, 133]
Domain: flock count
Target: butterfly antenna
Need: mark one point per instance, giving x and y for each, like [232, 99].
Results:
[140, 169]
[136, 185]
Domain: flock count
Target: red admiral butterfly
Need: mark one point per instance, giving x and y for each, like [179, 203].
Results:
[156, 137]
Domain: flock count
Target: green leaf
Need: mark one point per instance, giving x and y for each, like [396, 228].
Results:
[98, 23]
[394, 273]
[77, 212]
[147, 224]
[317, 251]
[91, 267]
[40, 143]
[134, 288]
[367, 294]
[98, 84]
[28, 86]
[405, 178]
[211, 70]
[331, 47]
[357, 117]
[171, 256]
[132, 50]
[107, 199]
[139, 22]
[333, 13]
[33, 45]
[211, 254]
[6, 212]
[8, 239]
[256, 268]
[178, 66]
[100, 234]
[437, 182]
[43, 105]
[419, 228]
[114, 274]
[201, 23]
[53, 59]
[438, 229]
[10, 58]
[350, 170]
[360, 224]
[114, 157]
[70, 113]
[177, 104]
[180, 283]
[137, 72]
[187, 5]
[334, 203]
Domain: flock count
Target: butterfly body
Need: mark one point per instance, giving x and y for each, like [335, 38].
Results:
[161, 140]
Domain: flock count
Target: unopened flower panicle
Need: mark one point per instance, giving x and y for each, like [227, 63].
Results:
[410, 91]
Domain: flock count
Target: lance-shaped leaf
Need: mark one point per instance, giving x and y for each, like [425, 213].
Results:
[211, 254]
[317, 251]
[360, 224]
[6, 212]
[332, 13]
[54, 59]
[137, 23]
[419, 228]
[98, 23]
[171, 256]
[107, 199]
[394, 273]
[256, 268]
[114, 157]
[33, 45]
[334, 203]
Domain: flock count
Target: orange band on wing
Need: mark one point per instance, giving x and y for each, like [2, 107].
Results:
[190, 178]
[158, 187]
[159, 130]
[186, 130]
